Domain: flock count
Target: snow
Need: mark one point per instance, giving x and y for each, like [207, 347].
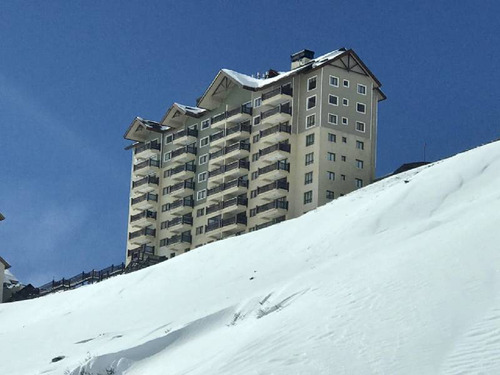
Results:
[193, 110]
[401, 277]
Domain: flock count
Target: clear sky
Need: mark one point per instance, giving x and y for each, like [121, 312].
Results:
[74, 74]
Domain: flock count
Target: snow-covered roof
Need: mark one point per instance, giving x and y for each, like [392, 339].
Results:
[153, 125]
[196, 111]
[10, 279]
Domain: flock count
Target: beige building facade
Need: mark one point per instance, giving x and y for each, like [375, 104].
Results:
[253, 152]
[3, 266]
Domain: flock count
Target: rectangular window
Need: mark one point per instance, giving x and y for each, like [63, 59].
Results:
[346, 83]
[199, 230]
[164, 207]
[255, 156]
[342, 177]
[311, 102]
[334, 81]
[308, 197]
[361, 89]
[167, 156]
[343, 158]
[345, 102]
[359, 183]
[360, 126]
[333, 100]
[169, 139]
[330, 156]
[360, 107]
[310, 158]
[310, 121]
[329, 194]
[308, 178]
[202, 194]
[254, 175]
[360, 145]
[203, 159]
[332, 119]
[165, 190]
[311, 83]
[332, 137]
[255, 138]
[200, 212]
[310, 139]
[344, 139]
[163, 225]
[204, 141]
[163, 242]
[359, 164]
[345, 121]
[205, 124]
[257, 102]
[256, 120]
[202, 177]
[253, 193]
[330, 175]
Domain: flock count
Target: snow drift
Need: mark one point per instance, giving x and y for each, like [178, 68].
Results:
[401, 277]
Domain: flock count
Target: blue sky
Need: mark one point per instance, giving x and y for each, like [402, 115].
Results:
[73, 75]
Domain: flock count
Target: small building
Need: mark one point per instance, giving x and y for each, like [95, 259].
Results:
[3, 266]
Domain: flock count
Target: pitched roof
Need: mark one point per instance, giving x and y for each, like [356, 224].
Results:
[6, 265]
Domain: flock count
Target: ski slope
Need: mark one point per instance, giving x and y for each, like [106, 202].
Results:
[401, 277]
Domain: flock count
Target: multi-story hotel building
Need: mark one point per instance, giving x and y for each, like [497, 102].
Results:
[252, 152]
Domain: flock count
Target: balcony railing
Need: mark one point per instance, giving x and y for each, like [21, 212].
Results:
[284, 128]
[238, 219]
[144, 214]
[145, 197]
[237, 201]
[217, 136]
[231, 113]
[186, 219]
[185, 133]
[278, 166]
[230, 148]
[268, 223]
[280, 204]
[144, 249]
[184, 202]
[181, 185]
[184, 150]
[147, 163]
[277, 147]
[179, 238]
[181, 168]
[243, 127]
[282, 108]
[280, 184]
[146, 180]
[285, 90]
[147, 146]
[142, 232]
[227, 186]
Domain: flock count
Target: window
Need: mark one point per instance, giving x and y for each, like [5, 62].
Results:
[332, 119]
[164, 207]
[361, 89]
[359, 164]
[253, 193]
[333, 100]
[254, 175]
[329, 194]
[163, 224]
[203, 159]
[193, 127]
[204, 141]
[360, 107]
[202, 176]
[167, 156]
[310, 121]
[255, 156]
[165, 174]
[360, 145]
[345, 102]
[169, 139]
[311, 83]
[200, 212]
[345, 83]
[202, 194]
[163, 242]
[360, 126]
[310, 158]
[255, 138]
[332, 137]
[343, 158]
[310, 139]
[311, 102]
[308, 197]
[308, 178]
[330, 175]
[199, 230]
[334, 81]
[344, 139]
[256, 120]
[359, 183]
[342, 177]
[165, 190]
[345, 121]
[257, 102]
[205, 124]
[330, 156]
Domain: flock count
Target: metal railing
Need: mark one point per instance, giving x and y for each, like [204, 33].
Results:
[285, 90]
[217, 136]
[280, 184]
[268, 223]
[186, 219]
[184, 202]
[238, 219]
[144, 214]
[179, 238]
[146, 180]
[279, 165]
[184, 150]
[236, 201]
[228, 149]
[145, 197]
[142, 232]
[228, 185]
[181, 168]
[185, 133]
[279, 204]
[280, 128]
[181, 185]
[282, 108]
[147, 146]
[147, 163]
[277, 147]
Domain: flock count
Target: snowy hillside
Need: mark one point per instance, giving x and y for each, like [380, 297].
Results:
[402, 277]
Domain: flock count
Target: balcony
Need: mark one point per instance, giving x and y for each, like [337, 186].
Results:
[144, 202]
[268, 223]
[228, 171]
[142, 236]
[145, 184]
[217, 139]
[239, 132]
[147, 150]
[270, 210]
[275, 152]
[146, 167]
[181, 172]
[180, 224]
[226, 227]
[280, 113]
[275, 171]
[181, 189]
[237, 150]
[139, 252]
[277, 95]
[239, 114]
[231, 188]
[232, 205]
[143, 219]
[185, 137]
[179, 241]
[181, 206]
[273, 190]
[183, 154]
[276, 134]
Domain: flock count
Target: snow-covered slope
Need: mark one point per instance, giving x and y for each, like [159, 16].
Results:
[402, 277]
